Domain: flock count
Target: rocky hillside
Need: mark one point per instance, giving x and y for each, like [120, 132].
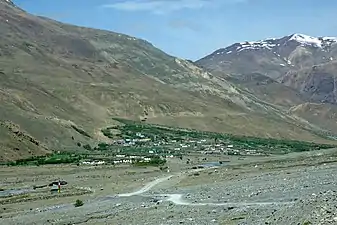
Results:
[316, 82]
[60, 84]
[322, 114]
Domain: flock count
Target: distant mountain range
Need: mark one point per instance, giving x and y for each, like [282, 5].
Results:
[304, 63]
[61, 84]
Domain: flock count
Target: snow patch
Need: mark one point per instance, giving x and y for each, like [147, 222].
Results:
[329, 39]
[305, 39]
[273, 44]
[319, 42]
[255, 45]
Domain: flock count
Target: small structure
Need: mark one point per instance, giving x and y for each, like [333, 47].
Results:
[56, 185]
[54, 189]
[61, 182]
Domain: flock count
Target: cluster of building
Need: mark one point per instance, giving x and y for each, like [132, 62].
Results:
[93, 163]
[228, 150]
[140, 138]
[119, 159]
[202, 146]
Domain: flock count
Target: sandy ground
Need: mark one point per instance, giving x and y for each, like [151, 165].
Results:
[293, 189]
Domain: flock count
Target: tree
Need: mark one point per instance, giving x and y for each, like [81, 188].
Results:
[78, 203]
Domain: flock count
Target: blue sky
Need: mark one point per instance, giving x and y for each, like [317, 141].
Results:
[194, 28]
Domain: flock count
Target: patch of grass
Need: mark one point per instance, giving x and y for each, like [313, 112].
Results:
[103, 146]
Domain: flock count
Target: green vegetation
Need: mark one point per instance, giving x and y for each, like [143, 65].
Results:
[142, 144]
[78, 203]
[102, 147]
[155, 161]
[56, 158]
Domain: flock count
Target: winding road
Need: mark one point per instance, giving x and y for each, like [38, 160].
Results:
[177, 199]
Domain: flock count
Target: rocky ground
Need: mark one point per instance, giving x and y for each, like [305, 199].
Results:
[297, 189]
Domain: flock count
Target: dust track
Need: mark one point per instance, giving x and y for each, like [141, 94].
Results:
[146, 188]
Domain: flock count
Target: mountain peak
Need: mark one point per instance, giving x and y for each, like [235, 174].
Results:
[273, 44]
[313, 41]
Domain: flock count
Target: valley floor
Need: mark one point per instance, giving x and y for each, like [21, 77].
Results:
[298, 188]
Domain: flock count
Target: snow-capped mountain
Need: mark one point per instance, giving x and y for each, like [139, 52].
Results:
[272, 57]
[320, 42]
[305, 63]
[300, 39]
[273, 43]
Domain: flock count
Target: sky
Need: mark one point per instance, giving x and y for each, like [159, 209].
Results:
[192, 29]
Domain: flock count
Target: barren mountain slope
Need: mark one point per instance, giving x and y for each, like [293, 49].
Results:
[269, 90]
[322, 114]
[317, 82]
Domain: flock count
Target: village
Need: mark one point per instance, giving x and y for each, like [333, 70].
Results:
[143, 148]
[140, 144]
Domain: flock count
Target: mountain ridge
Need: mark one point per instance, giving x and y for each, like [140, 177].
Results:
[270, 43]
